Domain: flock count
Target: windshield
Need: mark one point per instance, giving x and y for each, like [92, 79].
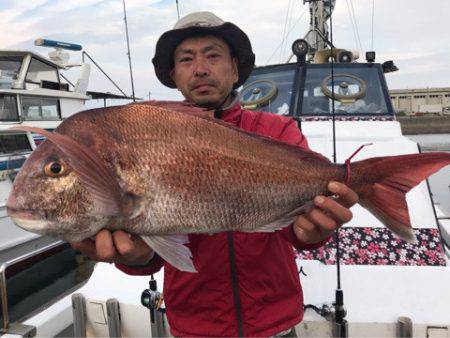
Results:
[357, 91]
[269, 89]
[9, 70]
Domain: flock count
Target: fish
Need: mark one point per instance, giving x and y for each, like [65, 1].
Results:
[163, 170]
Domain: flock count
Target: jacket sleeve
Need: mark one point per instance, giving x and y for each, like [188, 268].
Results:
[290, 133]
[289, 235]
[155, 264]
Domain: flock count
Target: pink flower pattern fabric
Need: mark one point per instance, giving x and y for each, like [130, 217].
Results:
[379, 246]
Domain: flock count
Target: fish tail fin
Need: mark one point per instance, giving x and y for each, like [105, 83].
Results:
[390, 178]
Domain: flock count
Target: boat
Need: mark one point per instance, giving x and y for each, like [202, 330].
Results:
[374, 285]
[35, 92]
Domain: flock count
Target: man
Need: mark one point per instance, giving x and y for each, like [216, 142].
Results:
[247, 284]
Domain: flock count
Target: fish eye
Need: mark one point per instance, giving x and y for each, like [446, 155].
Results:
[54, 169]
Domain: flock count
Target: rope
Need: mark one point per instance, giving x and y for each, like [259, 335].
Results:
[347, 162]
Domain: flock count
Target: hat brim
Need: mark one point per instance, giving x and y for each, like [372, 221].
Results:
[233, 35]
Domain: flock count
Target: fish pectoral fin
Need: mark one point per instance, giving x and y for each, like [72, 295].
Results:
[284, 221]
[171, 248]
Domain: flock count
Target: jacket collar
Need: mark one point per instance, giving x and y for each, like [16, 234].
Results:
[232, 112]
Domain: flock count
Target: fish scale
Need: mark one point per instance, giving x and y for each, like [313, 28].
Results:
[165, 170]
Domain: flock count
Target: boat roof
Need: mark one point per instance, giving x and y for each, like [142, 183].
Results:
[17, 52]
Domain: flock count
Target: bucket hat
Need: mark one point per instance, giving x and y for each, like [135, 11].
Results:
[202, 23]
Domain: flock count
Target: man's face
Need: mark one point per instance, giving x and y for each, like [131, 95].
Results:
[204, 71]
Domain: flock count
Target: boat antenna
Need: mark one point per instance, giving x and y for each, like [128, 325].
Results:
[178, 10]
[340, 324]
[373, 17]
[128, 50]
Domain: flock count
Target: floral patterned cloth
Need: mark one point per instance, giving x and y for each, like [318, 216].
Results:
[379, 246]
[347, 118]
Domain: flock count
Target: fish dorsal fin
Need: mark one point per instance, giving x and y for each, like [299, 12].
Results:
[188, 108]
[93, 174]
[181, 107]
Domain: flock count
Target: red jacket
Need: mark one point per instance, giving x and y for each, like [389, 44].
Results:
[248, 283]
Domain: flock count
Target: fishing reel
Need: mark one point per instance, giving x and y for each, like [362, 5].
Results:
[329, 311]
[152, 299]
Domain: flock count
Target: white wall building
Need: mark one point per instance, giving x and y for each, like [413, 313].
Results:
[422, 100]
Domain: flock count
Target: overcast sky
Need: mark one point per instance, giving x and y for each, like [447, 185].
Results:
[413, 33]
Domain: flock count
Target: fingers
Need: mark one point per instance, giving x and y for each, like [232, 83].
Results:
[346, 196]
[330, 211]
[123, 243]
[324, 220]
[131, 249]
[116, 247]
[87, 247]
[329, 214]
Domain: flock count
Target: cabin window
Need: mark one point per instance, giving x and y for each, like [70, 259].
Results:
[9, 70]
[358, 91]
[270, 90]
[40, 108]
[14, 143]
[38, 71]
[8, 108]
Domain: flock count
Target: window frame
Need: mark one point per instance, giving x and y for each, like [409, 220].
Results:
[41, 98]
[26, 80]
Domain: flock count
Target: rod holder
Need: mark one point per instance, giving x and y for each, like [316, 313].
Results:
[404, 327]
[79, 315]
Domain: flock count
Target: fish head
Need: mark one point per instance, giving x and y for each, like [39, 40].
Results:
[48, 197]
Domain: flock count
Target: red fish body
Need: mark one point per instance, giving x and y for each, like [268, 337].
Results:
[162, 173]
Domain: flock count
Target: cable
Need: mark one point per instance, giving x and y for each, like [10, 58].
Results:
[291, 11]
[356, 26]
[351, 22]
[289, 32]
[178, 9]
[373, 16]
[284, 30]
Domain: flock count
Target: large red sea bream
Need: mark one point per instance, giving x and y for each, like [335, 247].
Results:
[161, 173]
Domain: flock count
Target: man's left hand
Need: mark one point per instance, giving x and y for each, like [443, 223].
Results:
[327, 215]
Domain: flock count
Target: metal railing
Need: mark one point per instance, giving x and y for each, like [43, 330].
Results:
[6, 265]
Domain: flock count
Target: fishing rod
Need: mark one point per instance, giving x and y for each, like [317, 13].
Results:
[340, 324]
[128, 50]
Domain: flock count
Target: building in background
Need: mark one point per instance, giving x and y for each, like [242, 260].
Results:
[421, 101]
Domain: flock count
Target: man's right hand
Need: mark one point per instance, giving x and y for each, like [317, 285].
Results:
[116, 247]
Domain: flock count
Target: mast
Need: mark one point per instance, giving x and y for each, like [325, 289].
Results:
[128, 49]
[317, 35]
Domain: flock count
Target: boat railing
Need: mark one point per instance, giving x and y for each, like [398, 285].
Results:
[3, 287]
[444, 242]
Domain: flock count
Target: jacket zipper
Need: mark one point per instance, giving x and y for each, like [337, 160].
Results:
[234, 284]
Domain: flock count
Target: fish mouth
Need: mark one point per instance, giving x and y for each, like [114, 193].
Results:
[34, 225]
[26, 214]
[27, 219]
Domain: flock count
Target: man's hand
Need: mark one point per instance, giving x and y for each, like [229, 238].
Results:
[116, 247]
[327, 215]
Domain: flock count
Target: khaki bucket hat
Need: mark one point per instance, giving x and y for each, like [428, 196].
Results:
[202, 22]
